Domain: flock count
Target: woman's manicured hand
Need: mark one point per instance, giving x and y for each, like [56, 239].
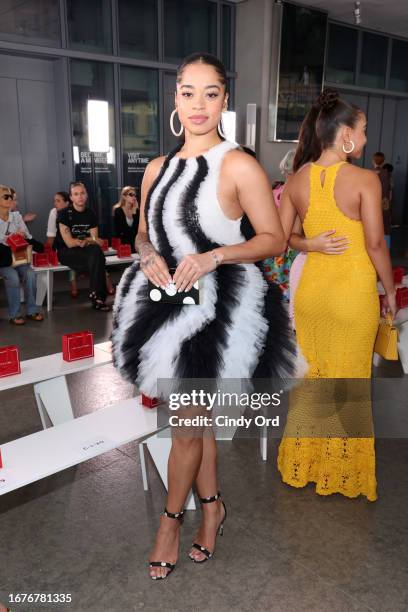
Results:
[154, 266]
[328, 244]
[191, 268]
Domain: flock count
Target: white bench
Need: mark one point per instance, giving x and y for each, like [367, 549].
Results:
[45, 276]
[52, 450]
[47, 374]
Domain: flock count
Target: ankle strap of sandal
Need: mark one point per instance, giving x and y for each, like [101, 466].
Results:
[208, 500]
[177, 515]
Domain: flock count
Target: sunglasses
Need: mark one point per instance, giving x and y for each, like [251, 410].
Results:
[131, 194]
[7, 196]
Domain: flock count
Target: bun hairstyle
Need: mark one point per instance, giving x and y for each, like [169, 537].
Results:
[319, 128]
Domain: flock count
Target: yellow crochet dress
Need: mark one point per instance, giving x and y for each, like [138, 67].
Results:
[336, 317]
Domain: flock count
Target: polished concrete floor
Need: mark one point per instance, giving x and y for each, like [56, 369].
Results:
[88, 530]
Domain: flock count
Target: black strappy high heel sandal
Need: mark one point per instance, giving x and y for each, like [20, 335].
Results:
[170, 566]
[98, 303]
[209, 555]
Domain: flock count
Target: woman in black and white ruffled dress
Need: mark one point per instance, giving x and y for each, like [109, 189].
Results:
[207, 211]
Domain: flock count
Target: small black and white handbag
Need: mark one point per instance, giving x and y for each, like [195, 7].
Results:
[170, 295]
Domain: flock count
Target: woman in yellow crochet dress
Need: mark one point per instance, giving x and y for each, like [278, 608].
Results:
[336, 303]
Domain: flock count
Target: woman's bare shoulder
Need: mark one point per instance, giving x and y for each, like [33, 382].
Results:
[152, 169]
[363, 175]
[241, 165]
[155, 165]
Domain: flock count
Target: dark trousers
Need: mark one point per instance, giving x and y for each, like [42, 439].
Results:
[89, 259]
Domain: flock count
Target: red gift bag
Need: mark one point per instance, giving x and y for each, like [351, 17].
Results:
[79, 345]
[398, 275]
[402, 297]
[16, 242]
[124, 250]
[40, 260]
[1, 461]
[53, 258]
[116, 242]
[105, 246]
[47, 247]
[149, 402]
[9, 361]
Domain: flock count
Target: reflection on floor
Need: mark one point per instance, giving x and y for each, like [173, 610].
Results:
[88, 530]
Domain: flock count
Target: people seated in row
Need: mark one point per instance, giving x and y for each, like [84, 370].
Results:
[79, 246]
[126, 217]
[13, 273]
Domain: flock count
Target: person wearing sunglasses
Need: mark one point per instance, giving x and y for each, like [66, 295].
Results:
[11, 222]
[126, 217]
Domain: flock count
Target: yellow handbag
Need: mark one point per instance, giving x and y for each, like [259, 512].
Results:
[386, 343]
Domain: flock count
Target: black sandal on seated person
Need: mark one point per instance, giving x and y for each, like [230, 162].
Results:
[99, 303]
[170, 566]
[208, 554]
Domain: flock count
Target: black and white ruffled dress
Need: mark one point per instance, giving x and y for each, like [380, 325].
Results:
[239, 330]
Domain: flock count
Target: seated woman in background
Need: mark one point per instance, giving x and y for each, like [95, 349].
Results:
[61, 201]
[126, 217]
[79, 246]
[12, 223]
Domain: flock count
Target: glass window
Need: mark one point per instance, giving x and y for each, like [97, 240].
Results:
[138, 28]
[373, 61]
[97, 169]
[90, 25]
[32, 21]
[399, 66]
[189, 25]
[227, 26]
[342, 54]
[301, 67]
[140, 122]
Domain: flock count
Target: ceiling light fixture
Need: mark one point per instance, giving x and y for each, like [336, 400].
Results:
[357, 13]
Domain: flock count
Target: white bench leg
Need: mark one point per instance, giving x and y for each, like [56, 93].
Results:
[41, 287]
[159, 449]
[403, 346]
[264, 442]
[50, 289]
[53, 401]
[143, 466]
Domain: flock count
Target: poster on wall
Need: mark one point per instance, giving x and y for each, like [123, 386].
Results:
[134, 165]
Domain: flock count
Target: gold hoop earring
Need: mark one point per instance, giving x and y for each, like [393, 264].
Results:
[347, 152]
[176, 134]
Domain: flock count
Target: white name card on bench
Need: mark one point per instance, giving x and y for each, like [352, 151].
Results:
[98, 443]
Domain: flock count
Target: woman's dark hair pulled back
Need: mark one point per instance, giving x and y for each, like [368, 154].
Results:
[64, 195]
[319, 128]
[203, 58]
